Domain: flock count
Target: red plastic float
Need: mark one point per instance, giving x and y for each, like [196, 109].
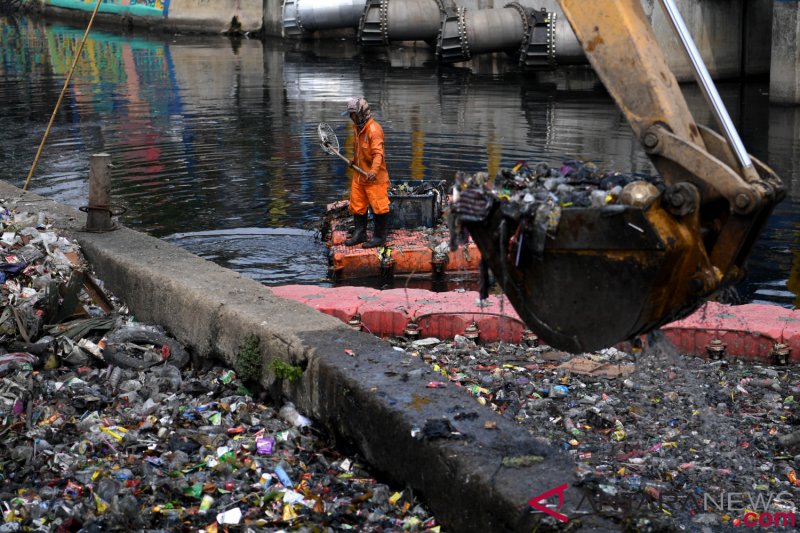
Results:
[746, 331]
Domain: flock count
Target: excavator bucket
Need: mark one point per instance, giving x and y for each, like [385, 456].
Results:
[605, 274]
[608, 274]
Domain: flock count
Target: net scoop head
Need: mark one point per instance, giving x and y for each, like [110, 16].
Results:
[327, 138]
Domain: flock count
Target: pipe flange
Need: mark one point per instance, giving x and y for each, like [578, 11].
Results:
[539, 50]
[384, 14]
[526, 25]
[372, 32]
[443, 14]
[297, 16]
[452, 45]
[462, 32]
[292, 26]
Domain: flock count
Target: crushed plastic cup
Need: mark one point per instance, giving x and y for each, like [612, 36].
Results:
[293, 417]
[230, 517]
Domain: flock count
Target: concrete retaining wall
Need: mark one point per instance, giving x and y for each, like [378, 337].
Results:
[375, 398]
[202, 16]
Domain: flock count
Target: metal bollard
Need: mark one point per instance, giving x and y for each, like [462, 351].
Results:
[98, 212]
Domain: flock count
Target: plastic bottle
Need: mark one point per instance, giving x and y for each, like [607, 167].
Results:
[630, 384]
[290, 415]
[598, 198]
[570, 426]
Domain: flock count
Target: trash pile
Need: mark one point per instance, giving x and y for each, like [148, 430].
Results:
[537, 194]
[106, 426]
[572, 184]
[661, 439]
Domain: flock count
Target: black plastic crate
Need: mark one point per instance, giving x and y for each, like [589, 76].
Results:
[420, 208]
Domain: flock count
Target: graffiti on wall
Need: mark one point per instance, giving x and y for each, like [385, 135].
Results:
[140, 8]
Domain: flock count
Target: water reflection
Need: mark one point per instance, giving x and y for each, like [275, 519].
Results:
[273, 256]
[213, 139]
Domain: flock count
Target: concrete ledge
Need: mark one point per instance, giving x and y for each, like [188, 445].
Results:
[368, 399]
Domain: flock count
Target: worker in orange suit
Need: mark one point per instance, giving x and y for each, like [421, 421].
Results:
[371, 190]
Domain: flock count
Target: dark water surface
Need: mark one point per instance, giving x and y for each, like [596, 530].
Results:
[214, 141]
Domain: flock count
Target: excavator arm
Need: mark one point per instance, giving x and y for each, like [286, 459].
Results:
[610, 274]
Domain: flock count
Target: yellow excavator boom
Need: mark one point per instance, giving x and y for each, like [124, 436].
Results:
[608, 275]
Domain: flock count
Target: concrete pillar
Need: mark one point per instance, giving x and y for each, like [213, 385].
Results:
[716, 28]
[216, 15]
[783, 152]
[273, 18]
[757, 24]
[785, 64]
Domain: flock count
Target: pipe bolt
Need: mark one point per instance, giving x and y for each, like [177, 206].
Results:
[355, 322]
[716, 349]
[472, 332]
[530, 338]
[412, 330]
[780, 353]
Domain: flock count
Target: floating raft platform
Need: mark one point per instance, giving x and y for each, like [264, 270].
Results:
[758, 332]
[388, 313]
[420, 251]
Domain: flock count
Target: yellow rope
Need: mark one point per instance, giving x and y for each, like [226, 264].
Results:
[61, 96]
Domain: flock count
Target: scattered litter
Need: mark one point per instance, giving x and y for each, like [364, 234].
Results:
[106, 427]
[656, 436]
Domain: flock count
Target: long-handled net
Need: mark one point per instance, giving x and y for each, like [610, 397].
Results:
[330, 144]
[328, 138]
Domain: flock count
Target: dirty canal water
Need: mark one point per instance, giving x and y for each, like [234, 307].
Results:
[214, 141]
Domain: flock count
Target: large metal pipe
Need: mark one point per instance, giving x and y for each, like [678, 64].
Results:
[300, 16]
[568, 50]
[414, 20]
[494, 30]
[458, 33]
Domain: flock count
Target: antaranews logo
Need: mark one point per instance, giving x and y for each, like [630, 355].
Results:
[758, 509]
[766, 519]
[535, 502]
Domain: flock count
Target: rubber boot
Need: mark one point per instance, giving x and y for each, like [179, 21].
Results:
[379, 235]
[360, 231]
